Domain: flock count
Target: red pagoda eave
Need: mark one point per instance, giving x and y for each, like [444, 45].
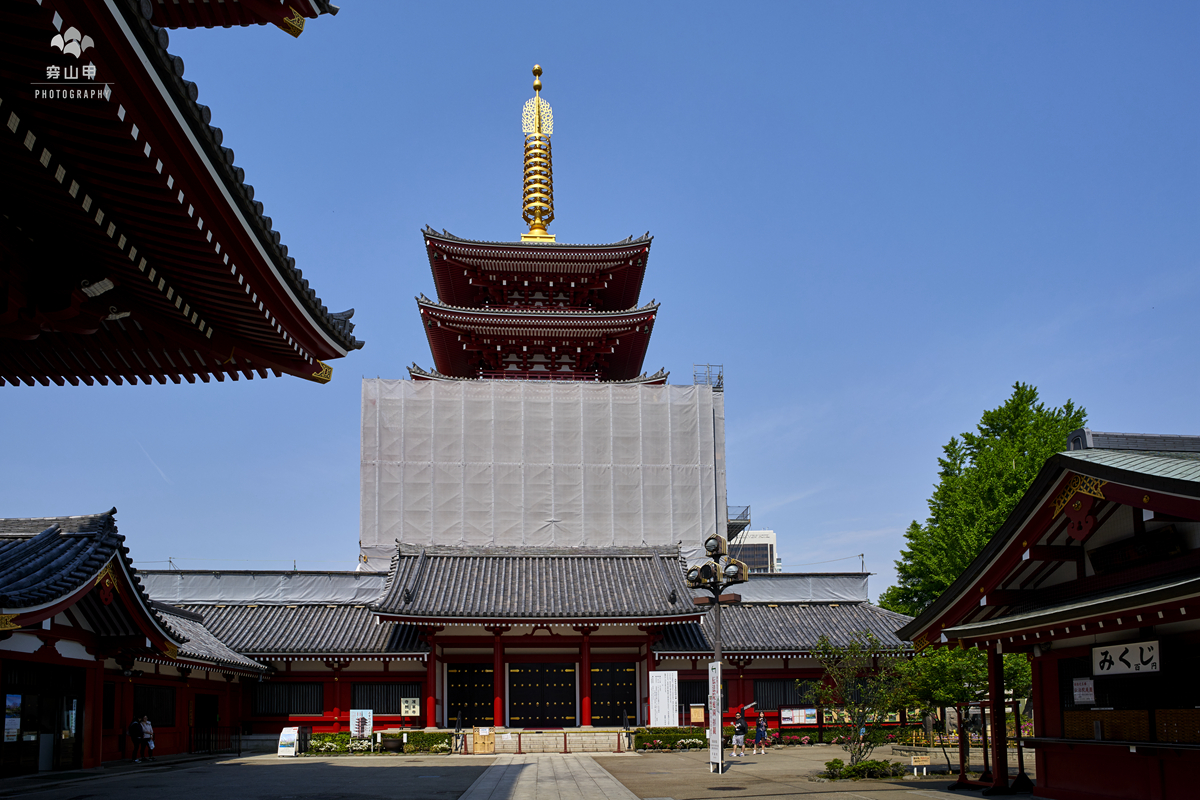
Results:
[469, 343]
[473, 274]
[134, 190]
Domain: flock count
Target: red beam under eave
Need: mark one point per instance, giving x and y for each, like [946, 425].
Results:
[1136, 618]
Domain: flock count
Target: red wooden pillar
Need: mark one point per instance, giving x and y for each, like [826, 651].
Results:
[498, 719]
[995, 663]
[585, 676]
[431, 664]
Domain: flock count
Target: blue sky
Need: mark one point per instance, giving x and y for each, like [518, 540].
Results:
[877, 216]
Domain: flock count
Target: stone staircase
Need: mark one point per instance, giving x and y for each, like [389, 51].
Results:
[571, 740]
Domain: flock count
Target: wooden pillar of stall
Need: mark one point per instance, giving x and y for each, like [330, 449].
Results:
[93, 719]
[999, 742]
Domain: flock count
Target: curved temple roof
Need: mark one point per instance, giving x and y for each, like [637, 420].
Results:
[621, 336]
[476, 584]
[48, 564]
[786, 628]
[469, 273]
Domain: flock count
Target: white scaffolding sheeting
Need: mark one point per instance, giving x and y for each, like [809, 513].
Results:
[268, 588]
[517, 463]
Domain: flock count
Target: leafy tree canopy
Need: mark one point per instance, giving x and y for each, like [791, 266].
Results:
[862, 680]
[982, 476]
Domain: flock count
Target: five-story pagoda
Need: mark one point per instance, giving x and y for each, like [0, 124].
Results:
[537, 309]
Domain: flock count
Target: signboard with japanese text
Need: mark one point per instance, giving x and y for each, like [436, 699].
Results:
[410, 706]
[1084, 691]
[1125, 659]
[715, 750]
[664, 699]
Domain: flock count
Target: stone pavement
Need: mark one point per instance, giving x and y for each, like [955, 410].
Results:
[783, 774]
[547, 777]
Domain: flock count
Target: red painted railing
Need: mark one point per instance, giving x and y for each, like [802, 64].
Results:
[537, 375]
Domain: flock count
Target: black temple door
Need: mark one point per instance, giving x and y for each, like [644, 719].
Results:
[542, 695]
[614, 693]
[469, 694]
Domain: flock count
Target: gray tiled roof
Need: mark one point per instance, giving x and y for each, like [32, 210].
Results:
[1180, 466]
[536, 583]
[44, 558]
[312, 629]
[785, 628]
[200, 642]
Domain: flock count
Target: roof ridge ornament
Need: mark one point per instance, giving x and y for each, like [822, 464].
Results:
[537, 194]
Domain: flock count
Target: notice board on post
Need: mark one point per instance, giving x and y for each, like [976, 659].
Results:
[715, 751]
[664, 699]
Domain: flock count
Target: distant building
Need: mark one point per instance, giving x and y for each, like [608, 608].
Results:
[757, 549]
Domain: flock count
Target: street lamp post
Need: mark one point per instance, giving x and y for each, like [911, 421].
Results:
[715, 576]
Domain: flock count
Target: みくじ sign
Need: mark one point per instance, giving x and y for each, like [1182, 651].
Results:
[1125, 658]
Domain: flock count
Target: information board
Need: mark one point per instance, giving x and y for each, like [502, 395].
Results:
[287, 742]
[716, 755]
[410, 706]
[797, 716]
[664, 699]
[362, 723]
[1083, 691]
[12, 717]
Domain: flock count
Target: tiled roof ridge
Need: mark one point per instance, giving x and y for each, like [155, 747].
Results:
[101, 515]
[164, 608]
[514, 310]
[1088, 439]
[450, 237]
[250, 572]
[405, 550]
[170, 69]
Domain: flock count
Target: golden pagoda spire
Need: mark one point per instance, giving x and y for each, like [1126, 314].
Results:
[537, 122]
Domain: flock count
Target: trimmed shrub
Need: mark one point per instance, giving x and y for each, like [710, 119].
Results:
[418, 742]
[837, 769]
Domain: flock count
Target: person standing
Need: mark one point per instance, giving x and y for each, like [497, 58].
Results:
[148, 736]
[137, 738]
[760, 734]
[739, 734]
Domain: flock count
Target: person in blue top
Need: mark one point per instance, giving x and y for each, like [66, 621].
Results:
[760, 734]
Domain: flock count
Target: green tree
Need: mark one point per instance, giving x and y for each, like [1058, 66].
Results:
[982, 475]
[939, 677]
[863, 680]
